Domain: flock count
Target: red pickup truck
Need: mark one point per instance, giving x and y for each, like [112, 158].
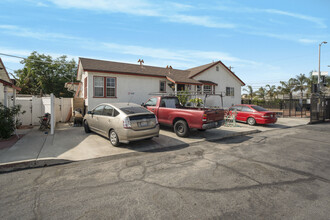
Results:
[169, 111]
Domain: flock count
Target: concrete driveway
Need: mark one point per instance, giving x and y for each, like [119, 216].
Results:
[69, 144]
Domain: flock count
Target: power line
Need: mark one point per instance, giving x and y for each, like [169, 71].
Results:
[40, 61]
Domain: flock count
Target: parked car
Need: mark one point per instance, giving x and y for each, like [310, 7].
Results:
[253, 114]
[170, 112]
[122, 122]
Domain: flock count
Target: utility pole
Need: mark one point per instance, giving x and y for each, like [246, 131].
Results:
[319, 73]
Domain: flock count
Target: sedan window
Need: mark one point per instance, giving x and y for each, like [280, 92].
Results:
[98, 110]
[108, 110]
[259, 109]
[246, 109]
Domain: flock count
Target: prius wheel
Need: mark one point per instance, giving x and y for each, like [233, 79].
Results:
[86, 127]
[114, 138]
[181, 128]
[251, 121]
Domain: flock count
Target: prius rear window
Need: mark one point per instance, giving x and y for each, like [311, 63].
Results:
[134, 110]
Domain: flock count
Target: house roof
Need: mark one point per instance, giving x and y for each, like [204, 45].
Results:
[199, 69]
[174, 75]
[4, 77]
[136, 69]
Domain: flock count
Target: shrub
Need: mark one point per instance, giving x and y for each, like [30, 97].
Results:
[183, 97]
[7, 120]
[197, 101]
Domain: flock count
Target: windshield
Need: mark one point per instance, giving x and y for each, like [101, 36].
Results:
[134, 110]
[259, 109]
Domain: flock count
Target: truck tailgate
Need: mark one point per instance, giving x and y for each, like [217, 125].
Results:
[214, 115]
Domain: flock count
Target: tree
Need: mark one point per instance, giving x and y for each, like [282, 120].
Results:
[250, 92]
[301, 84]
[288, 87]
[261, 93]
[271, 92]
[42, 74]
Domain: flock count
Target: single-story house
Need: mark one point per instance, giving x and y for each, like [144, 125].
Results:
[7, 87]
[108, 81]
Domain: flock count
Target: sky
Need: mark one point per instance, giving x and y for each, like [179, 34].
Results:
[264, 41]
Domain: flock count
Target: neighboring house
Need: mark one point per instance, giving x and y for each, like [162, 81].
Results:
[7, 88]
[107, 81]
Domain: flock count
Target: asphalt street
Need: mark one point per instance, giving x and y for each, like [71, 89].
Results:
[276, 174]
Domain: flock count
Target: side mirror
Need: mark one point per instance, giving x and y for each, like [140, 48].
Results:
[143, 104]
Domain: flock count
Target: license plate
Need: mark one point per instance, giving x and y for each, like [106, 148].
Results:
[143, 124]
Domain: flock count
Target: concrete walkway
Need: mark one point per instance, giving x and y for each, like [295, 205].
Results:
[69, 144]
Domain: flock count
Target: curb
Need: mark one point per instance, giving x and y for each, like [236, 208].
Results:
[30, 164]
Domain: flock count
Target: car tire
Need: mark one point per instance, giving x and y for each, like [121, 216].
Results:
[113, 138]
[181, 128]
[86, 127]
[251, 121]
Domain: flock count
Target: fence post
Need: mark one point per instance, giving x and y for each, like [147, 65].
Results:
[52, 113]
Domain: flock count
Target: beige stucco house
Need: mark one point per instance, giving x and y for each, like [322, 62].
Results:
[108, 81]
[7, 88]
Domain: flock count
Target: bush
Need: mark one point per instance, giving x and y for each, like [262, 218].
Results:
[183, 97]
[197, 101]
[7, 120]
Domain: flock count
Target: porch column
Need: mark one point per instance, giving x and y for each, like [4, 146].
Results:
[14, 97]
[5, 96]
[175, 89]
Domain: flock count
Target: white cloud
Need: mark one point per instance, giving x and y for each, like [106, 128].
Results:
[167, 11]
[307, 41]
[238, 9]
[315, 20]
[40, 35]
[205, 21]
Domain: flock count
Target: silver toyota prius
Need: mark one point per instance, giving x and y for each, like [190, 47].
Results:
[122, 122]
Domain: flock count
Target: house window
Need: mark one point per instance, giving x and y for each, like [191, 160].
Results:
[199, 88]
[217, 68]
[99, 86]
[104, 87]
[162, 86]
[207, 89]
[111, 87]
[230, 91]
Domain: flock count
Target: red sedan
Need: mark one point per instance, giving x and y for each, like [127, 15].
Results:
[253, 114]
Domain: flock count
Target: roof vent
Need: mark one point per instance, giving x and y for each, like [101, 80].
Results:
[141, 62]
[169, 68]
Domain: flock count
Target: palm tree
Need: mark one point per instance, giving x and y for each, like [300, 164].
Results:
[250, 92]
[311, 80]
[301, 83]
[271, 91]
[261, 93]
[288, 87]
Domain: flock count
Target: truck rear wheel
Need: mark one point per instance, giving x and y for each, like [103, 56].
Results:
[181, 128]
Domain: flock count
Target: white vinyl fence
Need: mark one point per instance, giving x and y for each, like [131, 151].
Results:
[35, 107]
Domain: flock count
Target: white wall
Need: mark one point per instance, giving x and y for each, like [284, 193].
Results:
[139, 85]
[36, 107]
[224, 79]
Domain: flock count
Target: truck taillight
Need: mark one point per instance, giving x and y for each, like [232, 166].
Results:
[127, 123]
[204, 117]
[156, 120]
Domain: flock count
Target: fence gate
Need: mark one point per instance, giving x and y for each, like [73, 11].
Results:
[319, 108]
